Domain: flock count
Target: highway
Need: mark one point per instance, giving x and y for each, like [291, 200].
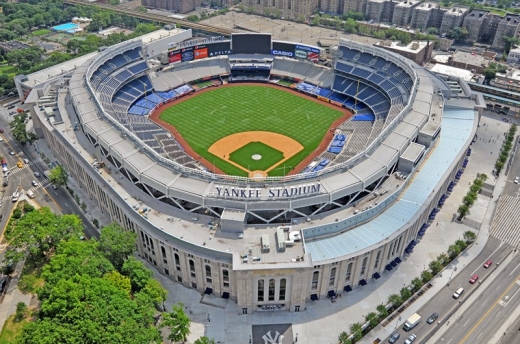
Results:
[485, 315]
[443, 302]
[158, 18]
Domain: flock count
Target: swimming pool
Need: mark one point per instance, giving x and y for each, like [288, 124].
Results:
[66, 27]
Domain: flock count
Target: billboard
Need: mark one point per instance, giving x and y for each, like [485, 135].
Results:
[217, 49]
[200, 52]
[282, 49]
[174, 56]
[307, 52]
[251, 43]
[187, 54]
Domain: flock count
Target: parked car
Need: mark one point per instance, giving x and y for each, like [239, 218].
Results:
[473, 279]
[11, 152]
[34, 183]
[37, 174]
[488, 264]
[432, 318]
[410, 339]
[394, 337]
[26, 161]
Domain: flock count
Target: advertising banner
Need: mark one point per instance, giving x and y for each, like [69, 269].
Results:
[217, 49]
[201, 53]
[282, 49]
[174, 56]
[187, 54]
[306, 52]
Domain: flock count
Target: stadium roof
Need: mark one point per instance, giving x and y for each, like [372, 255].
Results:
[457, 127]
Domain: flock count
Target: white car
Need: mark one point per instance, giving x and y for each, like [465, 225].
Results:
[517, 180]
[410, 339]
[34, 183]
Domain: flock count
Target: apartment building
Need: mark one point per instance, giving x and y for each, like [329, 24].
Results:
[508, 26]
[403, 12]
[475, 24]
[380, 10]
[290, 9]
[453, 18]
[178, 6]
[419, 52]
[354, 5]
[427, 14]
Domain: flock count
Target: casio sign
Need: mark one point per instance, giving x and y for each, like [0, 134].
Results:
[187, 55]
[283, 53]
[301, 54]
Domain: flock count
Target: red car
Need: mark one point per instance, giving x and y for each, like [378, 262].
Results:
[1, 130]
[488, 264]
[473, 279]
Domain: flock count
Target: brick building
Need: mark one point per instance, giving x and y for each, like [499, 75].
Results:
[418, 51]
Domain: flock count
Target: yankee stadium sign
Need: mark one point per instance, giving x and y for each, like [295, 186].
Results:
[274, 192]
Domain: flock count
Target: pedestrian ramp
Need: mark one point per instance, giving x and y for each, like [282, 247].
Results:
[506, 223]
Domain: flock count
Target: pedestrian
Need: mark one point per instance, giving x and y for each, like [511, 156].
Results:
[437, 223]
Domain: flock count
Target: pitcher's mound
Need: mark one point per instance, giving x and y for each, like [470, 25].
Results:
[256, 157]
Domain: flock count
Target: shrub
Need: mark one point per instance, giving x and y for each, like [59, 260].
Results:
[405, 294]
[17, 213]
[426, 276]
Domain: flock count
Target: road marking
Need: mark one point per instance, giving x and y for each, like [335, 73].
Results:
[502, 303]
[498, 314]
[467, 322]
[450, 341]
[498, 287]
[491, 255]
[514, 269]
[488, 311]
[66, 204]
[480, 335]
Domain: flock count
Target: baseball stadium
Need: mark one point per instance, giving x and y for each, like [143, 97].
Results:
[249, 170]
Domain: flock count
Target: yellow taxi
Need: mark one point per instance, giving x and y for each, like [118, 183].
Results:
[19, 164]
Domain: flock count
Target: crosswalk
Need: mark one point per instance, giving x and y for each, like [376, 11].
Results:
[15, 169]
[506, 224]
[42, 183]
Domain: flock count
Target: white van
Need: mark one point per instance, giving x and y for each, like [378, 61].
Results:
[458, 293]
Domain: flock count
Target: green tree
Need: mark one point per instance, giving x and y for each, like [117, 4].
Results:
[59, 176]
[114, 2]
[21, 311]
[395, 300]
[178, 323]
[350, 26]
[205, 340]
[469, 236]
[459, 34]
[435, 266]
[372, 319]
[357, 332]
[138, 273]
[454, 251]
[383, 312]
[509, 43]
[463, 211]
[426, 276]
[156, 292]
[344, 338]
[405, 293]
[432, 30]
[40, 231]
[315, 20]
[417, 284]
[119, 281]
[117, 244]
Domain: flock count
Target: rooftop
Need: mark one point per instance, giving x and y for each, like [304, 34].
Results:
[452, 71]
[470, 58]
[457, 10]
[413, 151]
[412, 47]
[14, 45]
[408, 3]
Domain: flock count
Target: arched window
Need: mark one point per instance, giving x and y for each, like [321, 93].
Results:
[192, 268]
[315, 279]
[208, 274]
[349, 272]
[260, 290]
[376, 264]
[283, 287]
[272, 288]
[364, 265]
[332, 278]
[225, 278]
[177, 262]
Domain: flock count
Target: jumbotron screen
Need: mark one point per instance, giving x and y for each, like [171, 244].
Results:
[246, 43]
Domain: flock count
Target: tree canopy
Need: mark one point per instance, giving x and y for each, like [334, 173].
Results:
[19, 129]
[59, 176]
[117, 244]
[178, 323]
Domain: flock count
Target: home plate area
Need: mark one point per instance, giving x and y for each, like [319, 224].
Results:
[272, 334]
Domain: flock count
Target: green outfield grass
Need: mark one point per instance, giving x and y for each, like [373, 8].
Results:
[210, 116]
[244, 156]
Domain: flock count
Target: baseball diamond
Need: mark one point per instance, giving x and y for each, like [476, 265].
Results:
[209, 116]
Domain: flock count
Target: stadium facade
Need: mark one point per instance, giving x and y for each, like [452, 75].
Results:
[276, 243]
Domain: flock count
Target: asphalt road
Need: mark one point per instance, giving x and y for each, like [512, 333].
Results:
[59, 200]
[485, 316]
[443, 302]
[512, 334]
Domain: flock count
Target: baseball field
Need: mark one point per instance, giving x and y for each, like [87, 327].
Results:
[244, 129]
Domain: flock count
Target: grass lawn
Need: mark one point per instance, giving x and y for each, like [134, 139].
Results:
[210, 116]
[204, 84]
[41, 32]
[285, 83]
[243, 156]
[11, 330]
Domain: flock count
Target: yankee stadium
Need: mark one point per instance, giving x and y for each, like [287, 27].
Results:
[249, 170]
